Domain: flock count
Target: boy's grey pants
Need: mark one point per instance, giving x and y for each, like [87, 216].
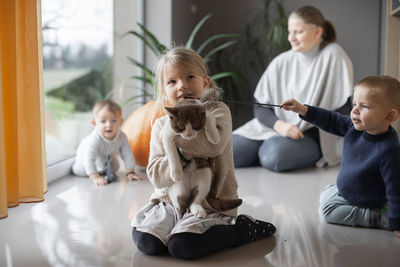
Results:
[335, 209]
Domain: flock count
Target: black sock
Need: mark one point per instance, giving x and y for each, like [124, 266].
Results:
[252, 229]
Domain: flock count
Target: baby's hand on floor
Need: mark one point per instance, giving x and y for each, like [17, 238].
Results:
[397, 233]
[131, 175]
[98, 179]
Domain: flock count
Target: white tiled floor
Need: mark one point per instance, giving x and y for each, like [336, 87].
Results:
[81, 225]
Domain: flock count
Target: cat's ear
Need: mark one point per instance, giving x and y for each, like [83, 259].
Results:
[170, 111]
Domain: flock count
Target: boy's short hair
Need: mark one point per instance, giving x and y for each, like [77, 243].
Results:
[386, 86]
[109, 105]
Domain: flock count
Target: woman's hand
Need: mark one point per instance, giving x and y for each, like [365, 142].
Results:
[286, 129]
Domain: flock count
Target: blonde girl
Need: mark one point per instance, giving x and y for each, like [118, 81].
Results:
[182, 73]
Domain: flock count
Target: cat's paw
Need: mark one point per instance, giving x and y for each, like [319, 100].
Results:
[198, 211]
[158, 195]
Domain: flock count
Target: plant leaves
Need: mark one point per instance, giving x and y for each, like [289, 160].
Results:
[140, 65]
[189, 42]
[215, 37]
[159, 48]
[143, 79]
[144, 39]
[136, 97]
[109, 94]
[218, 48]
[222, 75]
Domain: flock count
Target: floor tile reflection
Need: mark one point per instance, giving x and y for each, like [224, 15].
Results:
[81, 225]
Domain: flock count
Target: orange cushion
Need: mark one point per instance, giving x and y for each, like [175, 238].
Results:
[138, 130]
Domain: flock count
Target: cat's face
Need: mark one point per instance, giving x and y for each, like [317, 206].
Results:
[187, 117]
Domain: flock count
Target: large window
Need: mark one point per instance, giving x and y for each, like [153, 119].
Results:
[77, 61]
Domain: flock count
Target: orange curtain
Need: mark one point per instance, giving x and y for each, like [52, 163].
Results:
[22, 145]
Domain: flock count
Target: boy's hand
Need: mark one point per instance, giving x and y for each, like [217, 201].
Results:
[131, 175]
[397, 233]
[97, 179]
[295, 106]
[286, 129]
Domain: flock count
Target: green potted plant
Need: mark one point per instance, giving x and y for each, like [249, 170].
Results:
[151, 42]
[138, 126]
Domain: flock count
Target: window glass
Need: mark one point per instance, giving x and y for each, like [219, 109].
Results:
[77, 67]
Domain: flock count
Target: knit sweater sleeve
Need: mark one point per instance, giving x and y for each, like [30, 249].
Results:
[158, 167]
[390, 170]
[265, 115]
[329, 121]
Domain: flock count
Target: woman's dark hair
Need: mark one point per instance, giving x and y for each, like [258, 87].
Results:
[312, 15]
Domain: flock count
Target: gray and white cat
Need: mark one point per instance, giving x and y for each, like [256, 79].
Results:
[192, 182]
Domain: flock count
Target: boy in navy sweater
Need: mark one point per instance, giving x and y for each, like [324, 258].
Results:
[367, 192]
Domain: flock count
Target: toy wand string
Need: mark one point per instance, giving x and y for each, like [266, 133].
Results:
[243, 103]
[252, 103]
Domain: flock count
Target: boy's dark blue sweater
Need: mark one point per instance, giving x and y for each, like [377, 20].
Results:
[370, 171]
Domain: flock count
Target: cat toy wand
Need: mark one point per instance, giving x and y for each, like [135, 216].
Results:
[244, 103]
[252, 103]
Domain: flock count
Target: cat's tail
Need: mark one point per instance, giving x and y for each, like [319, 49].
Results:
[220, 204]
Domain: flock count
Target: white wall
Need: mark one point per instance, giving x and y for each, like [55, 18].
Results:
[124, 21]
[158, 19]
[357, 24]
